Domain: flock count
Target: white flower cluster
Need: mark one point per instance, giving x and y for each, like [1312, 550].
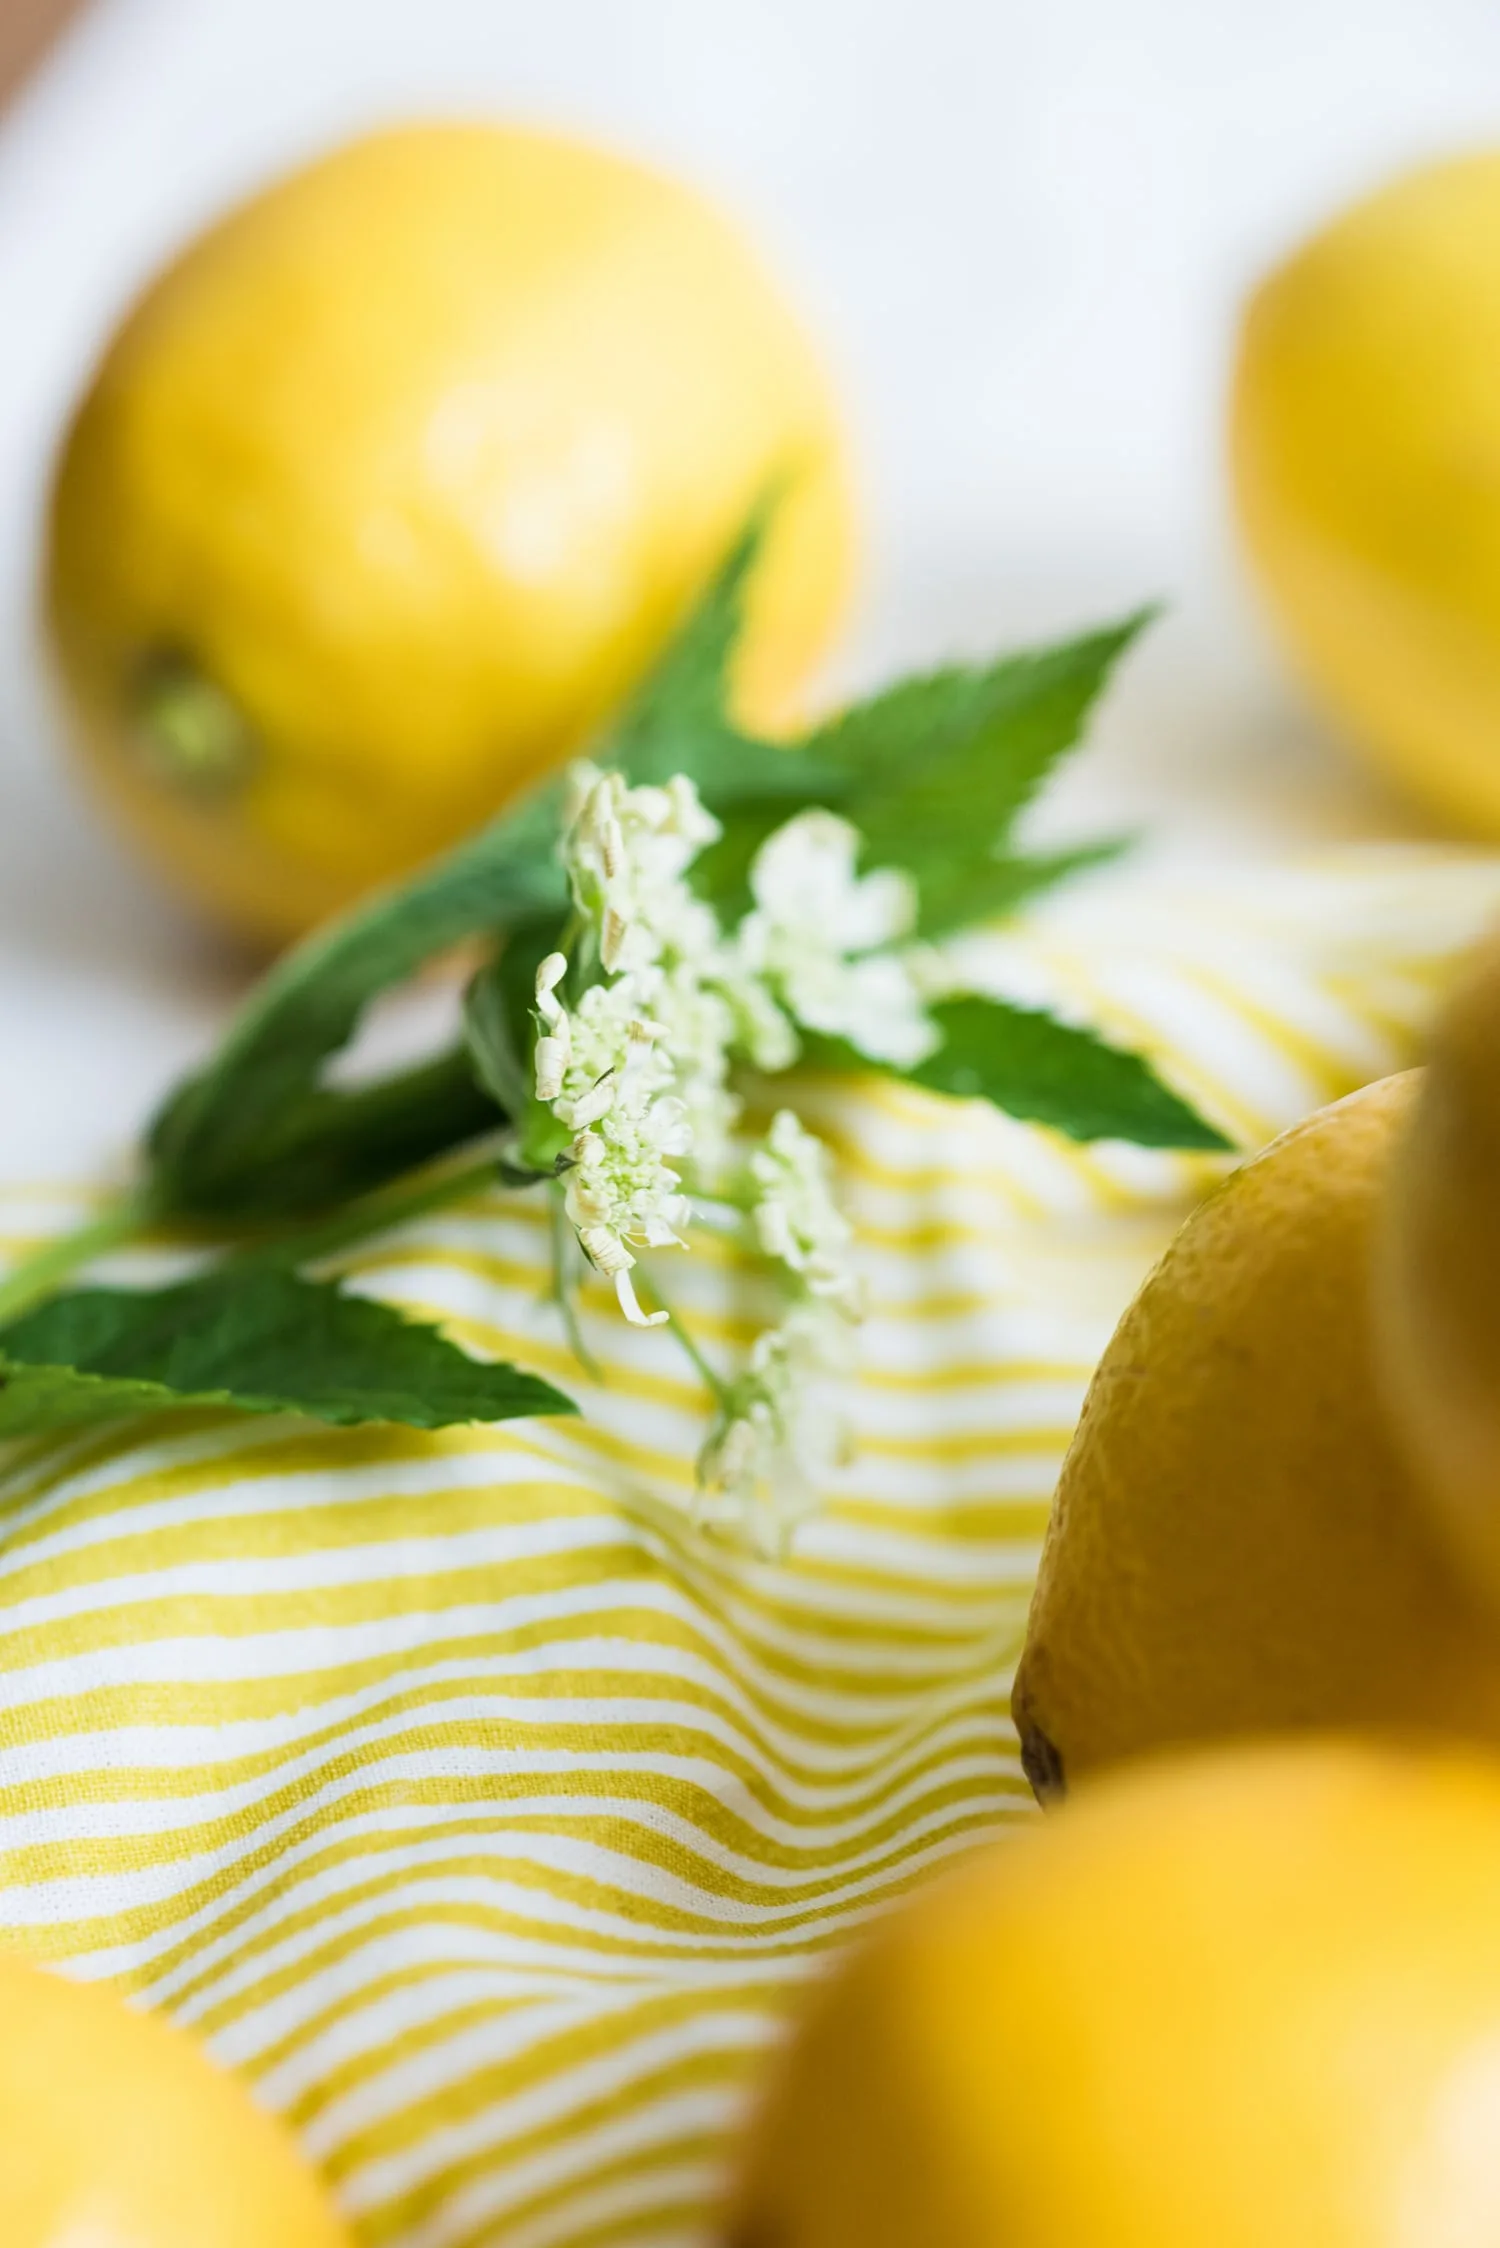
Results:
[780, 1431]
[780, 1426]
[820, 937]
[607, 1068]
[638, 1071]
[796, 1218]
[626, 851]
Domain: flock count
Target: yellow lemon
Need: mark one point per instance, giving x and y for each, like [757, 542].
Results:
[1437, 1298]
[1238, 1544]
[117, 2132]
[1252, 2000]
[1366, 457]
[393, 483]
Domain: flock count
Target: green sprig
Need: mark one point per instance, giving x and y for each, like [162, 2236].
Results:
[271, 1169]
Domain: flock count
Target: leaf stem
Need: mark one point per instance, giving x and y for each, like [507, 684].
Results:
[37, 1275]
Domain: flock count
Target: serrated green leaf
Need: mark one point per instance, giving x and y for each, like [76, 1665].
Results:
[496, 1048]
[254, 1338]
[992, 887]
[678, 715]
[1042, 1071]
[678, 721]
[985, 890]
[721, 873]
[1049, 1072]
[329, 1147]
[942, 765]
[499, 1010]
[214, 1146]
[1019, 711]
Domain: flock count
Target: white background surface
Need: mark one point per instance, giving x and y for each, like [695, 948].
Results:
[1022, 227]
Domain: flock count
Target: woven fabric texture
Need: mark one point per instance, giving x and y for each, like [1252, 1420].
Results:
[482, 1811]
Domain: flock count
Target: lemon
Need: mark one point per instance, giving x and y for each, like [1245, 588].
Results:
[1437, 1328]
[1238, 1544]
[117, 2132]
[393, 483]
[1365, 441]
[1250, 2000]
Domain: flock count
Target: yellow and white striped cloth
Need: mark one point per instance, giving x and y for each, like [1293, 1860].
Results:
[481, 1812]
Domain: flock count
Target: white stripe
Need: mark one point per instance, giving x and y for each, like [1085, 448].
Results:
[543, 2104]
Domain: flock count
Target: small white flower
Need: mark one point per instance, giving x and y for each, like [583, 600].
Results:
[611, 1053]
[604, 1074]
[761, 1029]
[554, 1049]
[697, 1031]
[592, 1105]
[796, 1217]
[621, 1190]
[611, 1024]
[607, 1253]
[549, 975]
[804, 880]
[815, 936]
[630, 1303]
[780, 1433]
[619, 1176]
[625, 850]
[552, 1057]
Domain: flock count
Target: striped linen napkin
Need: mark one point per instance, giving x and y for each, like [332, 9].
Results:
[483, 1812]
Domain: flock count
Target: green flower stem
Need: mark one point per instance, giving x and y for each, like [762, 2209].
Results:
[37, 1275]
[707, 1373]
[562, 1288]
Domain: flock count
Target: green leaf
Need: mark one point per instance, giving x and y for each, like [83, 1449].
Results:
[989, 888]
[1032, 1066]
[215, 1146]
[499, 1023]
[678, 717]
[255, 1338]
[497, 1047]
[1049, 1072]
[1019, 712]
[983, 890]
[678, 720]
[721, 873]
[328, 1147]
[942, 765]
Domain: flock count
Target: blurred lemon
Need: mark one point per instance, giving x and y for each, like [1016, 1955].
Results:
[396, 480]
[1237, 1545]
[1436, 1306]
[1252, 2000]
[117, 2132]
[1366, 456]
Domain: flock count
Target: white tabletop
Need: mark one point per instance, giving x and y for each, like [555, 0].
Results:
[1022, 229]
